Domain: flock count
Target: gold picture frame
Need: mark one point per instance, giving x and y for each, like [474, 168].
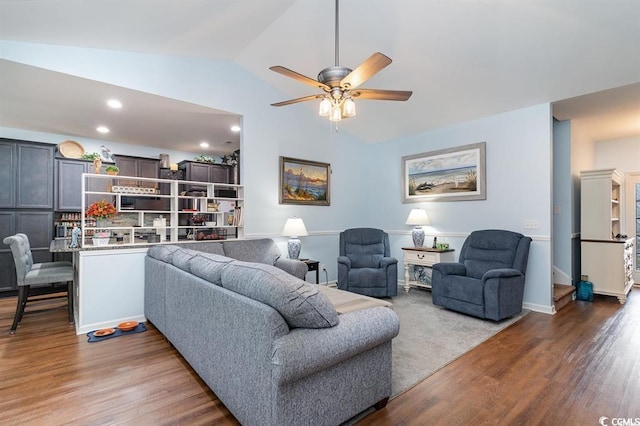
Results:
[304, 182]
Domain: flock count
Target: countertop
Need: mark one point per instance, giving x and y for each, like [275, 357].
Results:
[61, 245]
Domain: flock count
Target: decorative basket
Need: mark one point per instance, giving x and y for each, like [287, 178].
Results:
[99, 242]
[71, 149]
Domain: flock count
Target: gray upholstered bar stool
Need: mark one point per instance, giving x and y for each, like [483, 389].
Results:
[36, 275]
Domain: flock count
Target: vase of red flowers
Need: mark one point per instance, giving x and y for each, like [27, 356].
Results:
[101, 210]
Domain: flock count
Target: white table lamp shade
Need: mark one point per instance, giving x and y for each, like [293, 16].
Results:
[418, 217]
[294, 228]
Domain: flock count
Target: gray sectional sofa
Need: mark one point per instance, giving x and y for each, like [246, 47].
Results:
[270, 346]
[263, 250]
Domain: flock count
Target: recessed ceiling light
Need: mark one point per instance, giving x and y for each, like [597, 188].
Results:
[204, 144]
[114, 103]
[102, 129]
[235, 128]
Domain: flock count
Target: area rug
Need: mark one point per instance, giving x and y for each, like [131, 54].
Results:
[432, 337]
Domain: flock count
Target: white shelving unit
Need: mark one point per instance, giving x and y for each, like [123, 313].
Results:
[600, 204]
[606, 257]
[188, 215]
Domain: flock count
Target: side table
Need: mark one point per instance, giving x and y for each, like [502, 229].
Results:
[313, 265]
[425, 257]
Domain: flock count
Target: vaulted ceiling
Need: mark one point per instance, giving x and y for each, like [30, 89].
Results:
[462, 59]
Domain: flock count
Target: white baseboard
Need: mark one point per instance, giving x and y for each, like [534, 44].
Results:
[551, 310]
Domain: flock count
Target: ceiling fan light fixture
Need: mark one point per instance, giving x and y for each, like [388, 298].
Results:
[339, 84]
[336, 113]
[325, 108]
[349, 108]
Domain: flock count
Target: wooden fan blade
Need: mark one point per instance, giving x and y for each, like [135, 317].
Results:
[295, 101]
[382, 95]
[365, 71]
[301, 78]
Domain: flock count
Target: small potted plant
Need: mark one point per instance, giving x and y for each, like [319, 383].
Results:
[112, 170]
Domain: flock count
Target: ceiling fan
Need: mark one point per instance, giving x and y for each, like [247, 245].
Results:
[341, 84]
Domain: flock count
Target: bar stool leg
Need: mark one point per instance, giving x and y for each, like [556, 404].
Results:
[23, 294]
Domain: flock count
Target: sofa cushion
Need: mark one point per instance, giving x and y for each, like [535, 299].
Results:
[182, 258]
[204, 246]
[163, 252]
[209, 267]
[263, 250]
[300, 303]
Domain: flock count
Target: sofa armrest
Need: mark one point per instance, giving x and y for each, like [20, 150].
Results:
[305, 351]
[501, 273]
[386, 261]
[450, 268]
[344, 260]
[297, 268]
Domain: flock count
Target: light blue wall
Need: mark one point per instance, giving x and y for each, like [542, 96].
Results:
[366, 179]
[518, 180]
[562, 199]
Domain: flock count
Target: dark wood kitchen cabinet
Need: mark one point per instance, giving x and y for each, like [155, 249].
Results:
[68, 179]
[7, 174]
[26, 201]
[38, 226]
[138, 167]
[26, 171]
[205, 172]
[69, 184]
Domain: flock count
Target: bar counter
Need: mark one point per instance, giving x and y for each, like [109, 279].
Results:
[61, 245]
[109, 282]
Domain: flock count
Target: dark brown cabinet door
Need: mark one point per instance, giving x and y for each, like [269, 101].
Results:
[69, 184]
[198, 172]
[7, 265]
[148, 169]
[7, 174]
[26, 173]
[128, 167]
[137, 167]
[39, 228]
[203, 172]
[34, 181]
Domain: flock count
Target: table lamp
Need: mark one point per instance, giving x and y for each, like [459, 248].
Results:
[418, 217]
[294, 228]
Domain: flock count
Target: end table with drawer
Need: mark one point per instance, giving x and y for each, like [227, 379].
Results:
[424, 257]
[313, 265]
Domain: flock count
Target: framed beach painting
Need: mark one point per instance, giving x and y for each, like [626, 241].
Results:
[453, 174]
[304, 182]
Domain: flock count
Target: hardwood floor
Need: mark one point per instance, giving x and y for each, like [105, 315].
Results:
[571, 368]
[50, 376]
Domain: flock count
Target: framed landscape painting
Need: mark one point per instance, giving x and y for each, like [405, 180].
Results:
[453, 174]
[304, 182]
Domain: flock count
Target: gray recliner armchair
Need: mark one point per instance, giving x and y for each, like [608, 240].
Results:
[365, 265]
[488, 281]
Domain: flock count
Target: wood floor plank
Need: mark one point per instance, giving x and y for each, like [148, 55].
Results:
[569, 368]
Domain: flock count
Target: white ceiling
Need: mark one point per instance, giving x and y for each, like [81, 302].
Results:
[463, 59]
